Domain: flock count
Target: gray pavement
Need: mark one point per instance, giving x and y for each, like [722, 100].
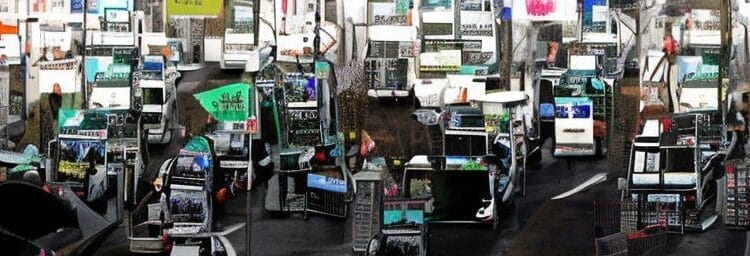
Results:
[535, 226]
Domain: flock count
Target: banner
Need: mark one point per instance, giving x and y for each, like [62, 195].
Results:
[194, 7]
[545, 10]
[393, 12]
[229, 103]
[595, 16]
[442, 61]
[326, 183]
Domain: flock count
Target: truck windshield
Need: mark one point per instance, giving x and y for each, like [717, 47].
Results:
[153, 96]
[465, 145]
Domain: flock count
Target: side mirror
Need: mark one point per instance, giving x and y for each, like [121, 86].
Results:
[622, 184]
[427, 117]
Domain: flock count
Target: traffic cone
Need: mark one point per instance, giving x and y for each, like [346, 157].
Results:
[463, 96]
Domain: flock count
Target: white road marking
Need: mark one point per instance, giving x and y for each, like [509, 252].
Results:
[596, 179]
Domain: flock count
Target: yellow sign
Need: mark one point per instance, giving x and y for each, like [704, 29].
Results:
[194, 7]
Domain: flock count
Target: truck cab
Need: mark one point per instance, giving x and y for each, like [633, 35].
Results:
[390, 65]
[582, 101]
[672, 163]
[159, 96]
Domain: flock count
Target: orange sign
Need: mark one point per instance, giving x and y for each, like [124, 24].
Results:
[8, 29]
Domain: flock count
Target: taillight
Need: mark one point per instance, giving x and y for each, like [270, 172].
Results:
[666, 124]
[165, 242]
[690, 198]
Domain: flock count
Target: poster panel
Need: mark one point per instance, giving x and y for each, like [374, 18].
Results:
[300, 89]
[76, 6]
[63, 73]
[304, 126]
[76, 159]
[595, 16]
[188, 206]
[545, 10]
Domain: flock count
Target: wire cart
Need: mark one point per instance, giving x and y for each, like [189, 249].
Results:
[367, 208]
[403, 228]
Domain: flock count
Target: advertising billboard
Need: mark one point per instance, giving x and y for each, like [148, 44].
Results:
[193, 8]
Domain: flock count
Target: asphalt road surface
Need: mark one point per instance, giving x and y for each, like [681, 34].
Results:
[536, 225]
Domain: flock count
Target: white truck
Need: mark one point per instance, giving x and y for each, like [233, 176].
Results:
[159, 98]
[391, 72]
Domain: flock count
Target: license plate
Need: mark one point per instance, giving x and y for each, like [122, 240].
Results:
[233, 164]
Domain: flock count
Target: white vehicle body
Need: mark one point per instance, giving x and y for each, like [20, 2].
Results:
[399, 34]
[159, 100]
[237, 50]
[436, 93]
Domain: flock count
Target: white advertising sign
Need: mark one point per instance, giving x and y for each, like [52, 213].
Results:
[65, 78]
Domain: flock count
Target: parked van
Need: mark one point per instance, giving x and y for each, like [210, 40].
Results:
[159, 98]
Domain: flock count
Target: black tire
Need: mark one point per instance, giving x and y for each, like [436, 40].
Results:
[598, 153]
[533, 159]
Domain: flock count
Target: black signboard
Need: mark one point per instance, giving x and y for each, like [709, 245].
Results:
[377, 49]
[387, 73]
[438, 29]
[464, 45]
[304, 126]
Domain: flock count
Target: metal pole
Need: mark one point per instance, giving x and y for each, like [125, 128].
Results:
[248, 201]
[507, 52]
[724, 52]
[83, 57]
[248, 206]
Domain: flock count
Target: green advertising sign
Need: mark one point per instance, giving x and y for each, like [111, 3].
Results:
[229, 103]
[194, 7]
